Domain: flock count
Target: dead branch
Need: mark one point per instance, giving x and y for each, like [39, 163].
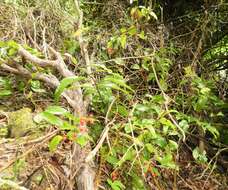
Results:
[82, 171]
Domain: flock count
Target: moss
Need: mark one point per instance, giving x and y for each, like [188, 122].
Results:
[21, 123]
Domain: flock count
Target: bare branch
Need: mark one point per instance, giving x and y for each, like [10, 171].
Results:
[73, 97]
[82, 43]
[41, 62]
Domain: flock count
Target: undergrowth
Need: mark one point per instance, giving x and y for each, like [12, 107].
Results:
[159, 90]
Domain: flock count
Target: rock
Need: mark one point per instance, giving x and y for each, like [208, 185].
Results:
[20, 123]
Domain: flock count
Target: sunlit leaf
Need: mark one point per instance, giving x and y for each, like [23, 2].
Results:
[167, 161]
[123, 41]
[52, 119]
[56, 110]
[65, 83]
[5, 93]
[82, 140]
[55, 142]
[115, 185]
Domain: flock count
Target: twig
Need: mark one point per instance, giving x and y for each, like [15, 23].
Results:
[214, 157]
[28, 151]
[126, 58]
[134, 140]
[104, 134]
[167, 99]
[82, 44]
[83, 47]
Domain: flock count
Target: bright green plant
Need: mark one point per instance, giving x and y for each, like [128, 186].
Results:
[62, 119]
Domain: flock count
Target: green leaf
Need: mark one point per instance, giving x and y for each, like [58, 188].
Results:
[145, 66]
[141, 107]
[212, 130]
[153, 15]
[52, 119]
[38, 118]
[123, 41]
[135, 66]
[68, 126]
[56, 110]
[82, 140]
[160, 141]
[137, 182]
[184, 125]
[55, 142]
[150, 148]
[167, 161]
[119, 61]
[65, 83]
[195, 153]
[163, 84]
[129, 155]
[117, 79]
[36, 86]
[142, 35]
[13, 44]
[112, 160]
[132, 30]
[198, 156]
[5, 93]
[115, 185]
[173, 145]
[12, 52]
[167, 123]
[122, 110]
[127, 128]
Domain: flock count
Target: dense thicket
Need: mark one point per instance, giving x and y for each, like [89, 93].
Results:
[124, 94]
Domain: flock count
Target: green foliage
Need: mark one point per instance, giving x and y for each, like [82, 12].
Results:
[64, 84]
[132, 75]
[5, 87]
[198, 156]
[36, 86]
[55, 142]
[8, 49]
[65, 121]
[116, 185]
